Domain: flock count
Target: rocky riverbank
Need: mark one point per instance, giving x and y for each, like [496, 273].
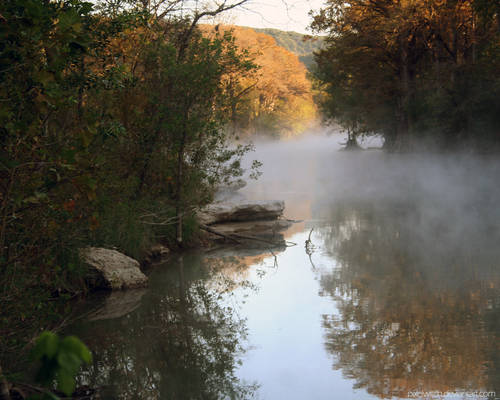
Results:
[243, 223]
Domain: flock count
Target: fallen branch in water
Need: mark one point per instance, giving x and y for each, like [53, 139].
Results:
[309, 246]
[275, 259]
[208, 229]
[235, 236]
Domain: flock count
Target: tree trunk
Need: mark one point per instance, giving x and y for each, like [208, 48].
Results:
[4, 387]
[180, 176]
[352, 142]
[402, 139]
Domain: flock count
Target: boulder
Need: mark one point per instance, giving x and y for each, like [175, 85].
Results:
[112, 270]
[244, 211]
[158, 250]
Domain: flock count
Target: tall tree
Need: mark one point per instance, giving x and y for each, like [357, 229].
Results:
[111, 132]
[408, 69]
[276, 98]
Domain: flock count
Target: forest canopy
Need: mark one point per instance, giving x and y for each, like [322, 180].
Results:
[118, 121]
[302, 45]
[276, 99]
[113, 132]
[415, 71]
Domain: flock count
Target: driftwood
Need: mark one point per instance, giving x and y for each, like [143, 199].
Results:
[309, 247]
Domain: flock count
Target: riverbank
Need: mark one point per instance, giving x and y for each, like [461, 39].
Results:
[222, 225]
[218, 322]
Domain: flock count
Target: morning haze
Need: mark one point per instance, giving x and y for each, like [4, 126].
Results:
[193, 211]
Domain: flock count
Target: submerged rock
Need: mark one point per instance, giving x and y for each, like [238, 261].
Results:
[247, 249]
[157, 252]
[111, 269]
[244, 211]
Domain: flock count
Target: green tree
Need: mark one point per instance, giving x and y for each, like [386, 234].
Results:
[112, 133]
[195, 340]
[411, 70]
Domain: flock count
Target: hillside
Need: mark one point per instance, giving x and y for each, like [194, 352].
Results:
[301, 45]
[277, 98]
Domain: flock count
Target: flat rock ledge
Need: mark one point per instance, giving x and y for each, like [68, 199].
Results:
[261, 227]
[252, 224]
[243, 211]
[111, 269]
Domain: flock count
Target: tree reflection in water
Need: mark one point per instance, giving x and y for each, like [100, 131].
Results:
[418, 298]
[184, 341]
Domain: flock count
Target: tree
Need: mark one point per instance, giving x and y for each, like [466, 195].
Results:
[276, 98]
[408, 69]
[112, 133]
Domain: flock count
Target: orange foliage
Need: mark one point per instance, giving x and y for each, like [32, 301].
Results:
[277, 98]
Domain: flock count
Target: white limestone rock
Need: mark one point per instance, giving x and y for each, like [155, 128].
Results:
[112, 269]
[244, 211]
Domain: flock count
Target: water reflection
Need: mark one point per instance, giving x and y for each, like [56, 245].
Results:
[399, 290]
[183, 341]
[418, 300]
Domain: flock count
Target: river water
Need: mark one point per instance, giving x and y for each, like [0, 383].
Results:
[396, 295]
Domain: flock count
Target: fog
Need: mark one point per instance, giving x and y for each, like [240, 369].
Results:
[316, 166]
[442, 208]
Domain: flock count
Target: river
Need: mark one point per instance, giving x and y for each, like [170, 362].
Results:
[397, 294]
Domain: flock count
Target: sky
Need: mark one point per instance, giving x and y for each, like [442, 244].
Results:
[287, 15]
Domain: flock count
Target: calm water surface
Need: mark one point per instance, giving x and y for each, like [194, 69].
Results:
[399, 292]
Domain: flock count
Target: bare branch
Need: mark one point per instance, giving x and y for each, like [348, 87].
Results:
[197, 17]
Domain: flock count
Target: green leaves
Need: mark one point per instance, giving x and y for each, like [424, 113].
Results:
[45, 346]
[59, 360]
[99, 106]
[411, 69]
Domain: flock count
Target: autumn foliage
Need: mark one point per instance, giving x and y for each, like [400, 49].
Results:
[277, 97]
[415, 71]
[112, 132]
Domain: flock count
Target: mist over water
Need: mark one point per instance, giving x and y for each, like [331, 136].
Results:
[315, 165]
[448, 203]
[399, 292]
[407, 248]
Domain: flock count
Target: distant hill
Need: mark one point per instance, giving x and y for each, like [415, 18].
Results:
[275, 99]
[297, 43]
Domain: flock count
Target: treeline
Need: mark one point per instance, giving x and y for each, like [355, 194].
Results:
[112, 131]
[275, 99]
[421, 73]
[302, 45]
